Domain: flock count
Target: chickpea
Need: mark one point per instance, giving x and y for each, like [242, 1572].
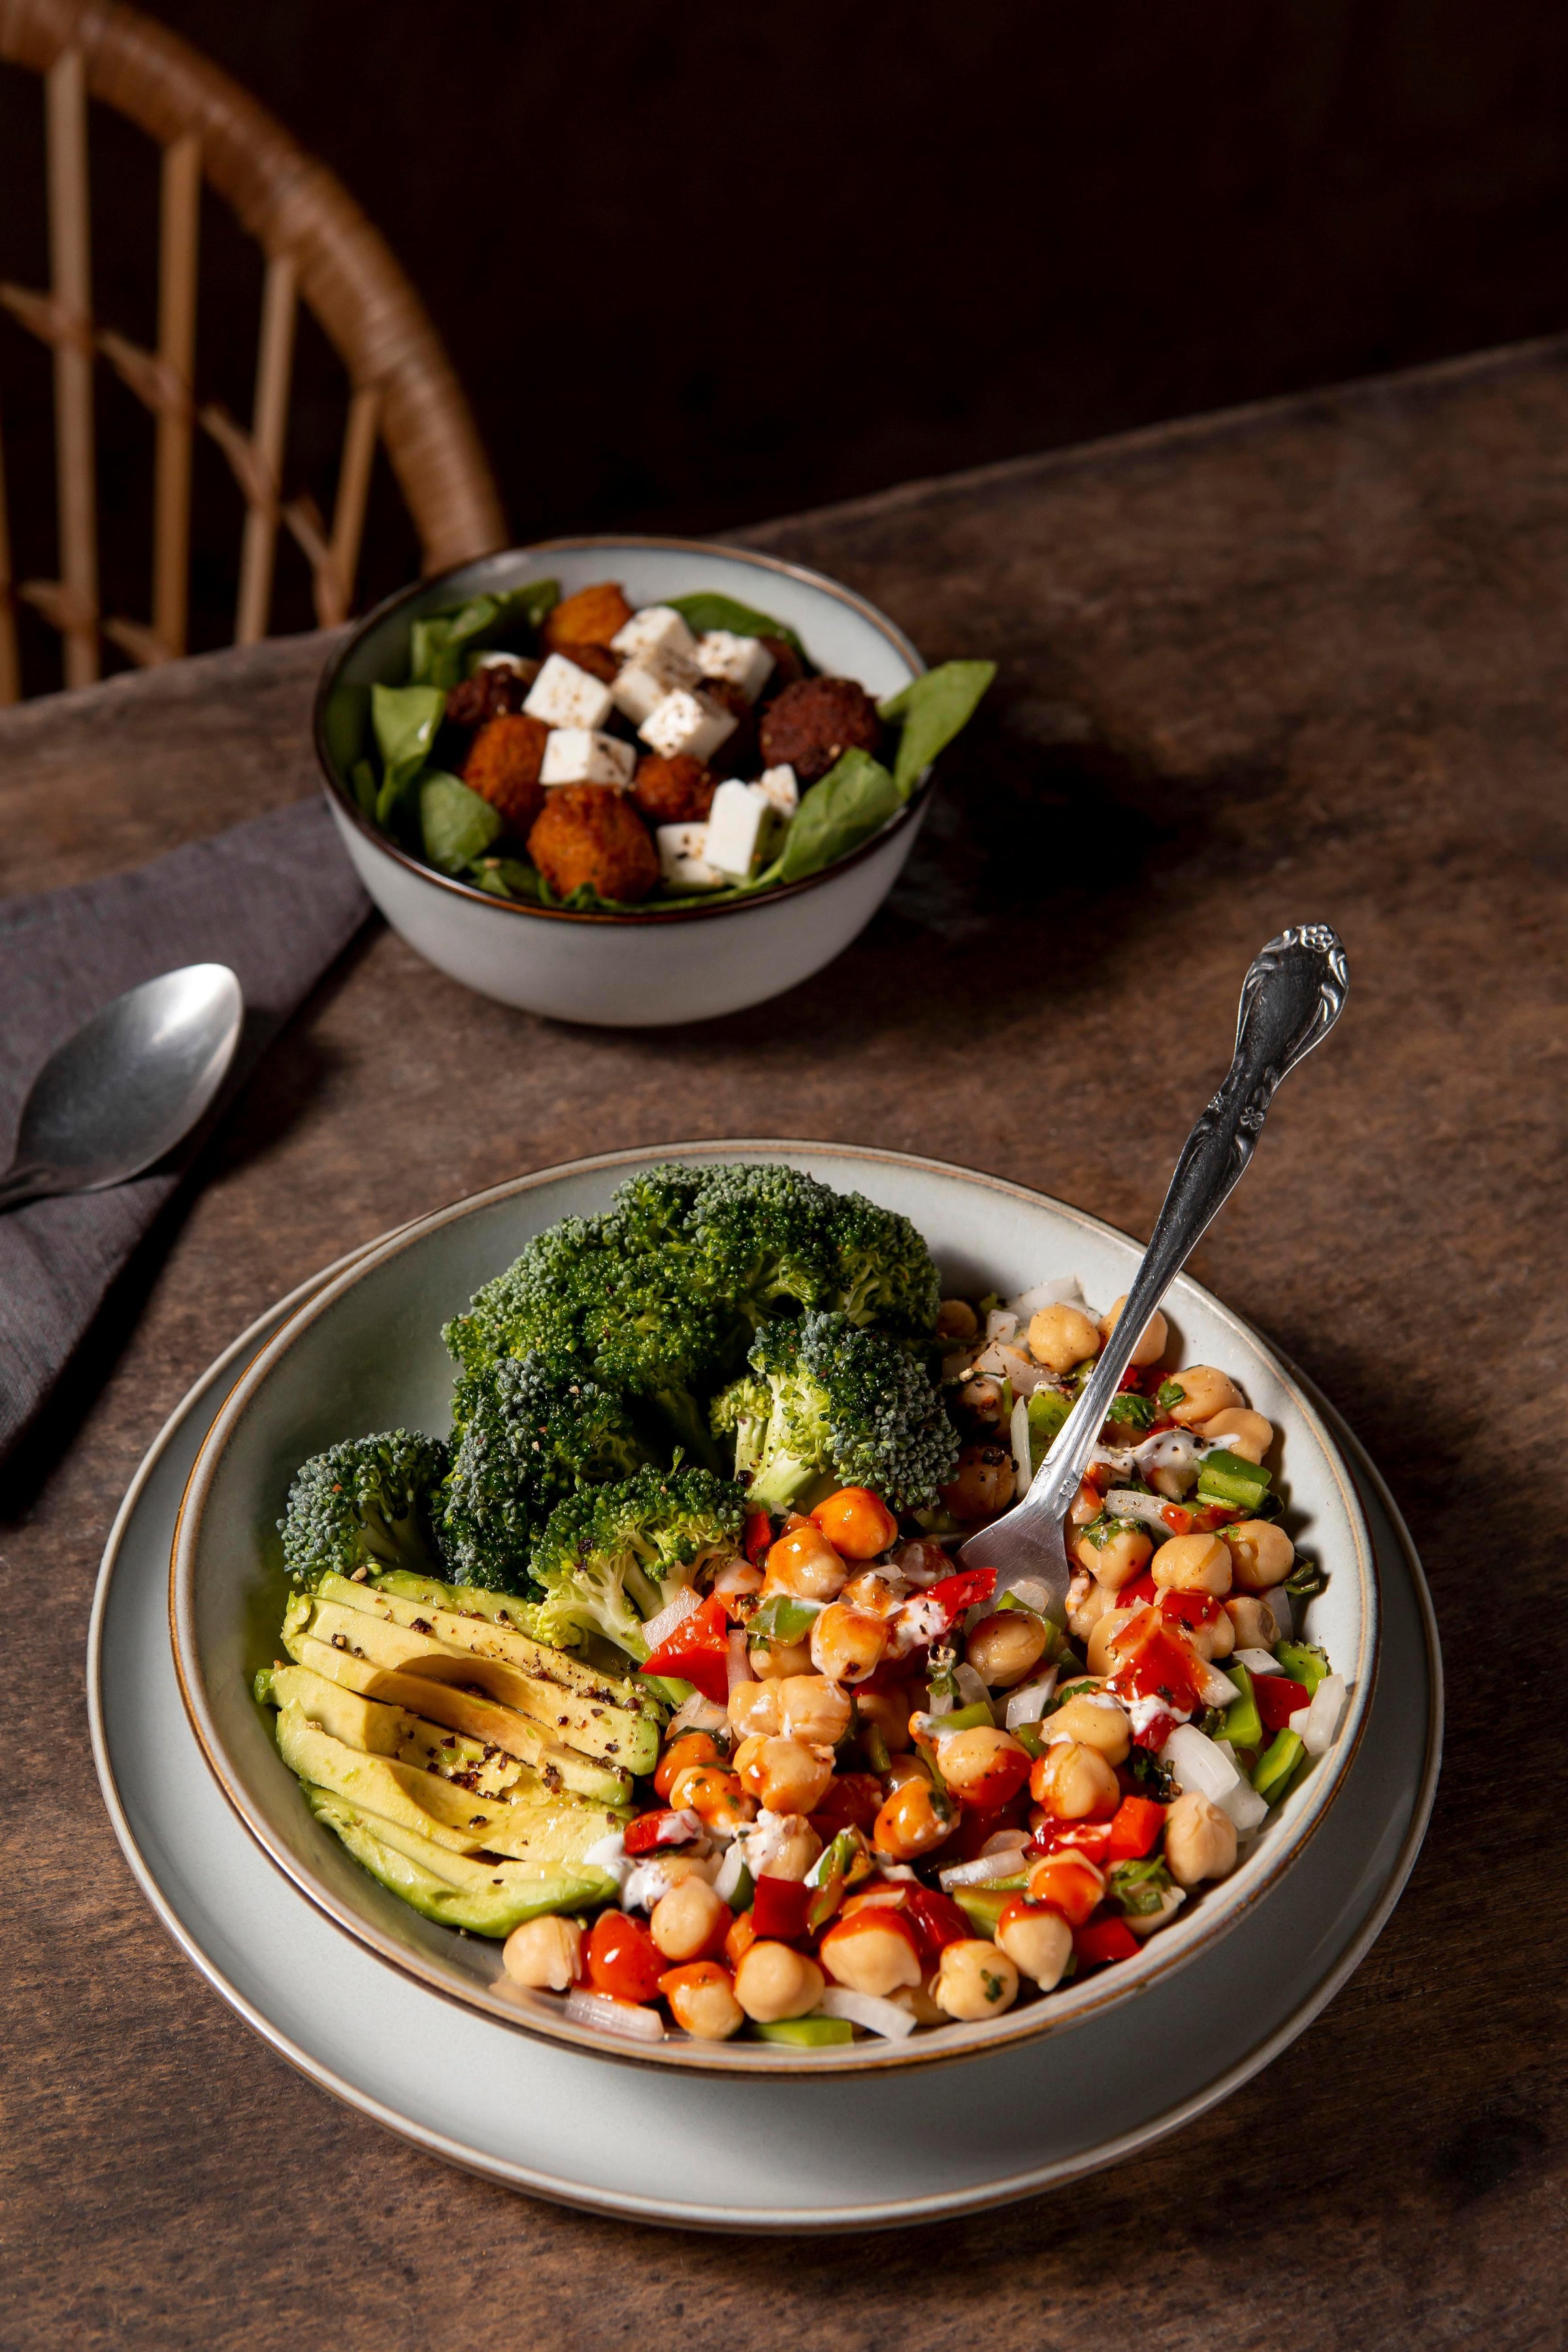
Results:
[1240, 1432]
[976, 1977]
[689, 1923]
[883, 1711]
[1093, 1723]
[774, 1982]
[1085, 1505]
[1152, 1340]
[1075, 1783]
[1193, 1564]
[789, 1777]
[1101, 1650]
[1115, 1563]
[1087, 1601]
[1253, 1623]
[983, 1484]
[698, 1789]
[977, 1762]
[545, 1953]
[857, 1523]
[956, 1320]
[754, 1710]
[812, 1708]
[1004, 1648]
[920, 2000]
[922, 1562]
[870, 1590]
[871, 1951]
[805, 1564]
[905, 1768]
[795, 1851]
[1037, 1942]
[1204, 1392]
[847, 1644]
[1215, 1640]
[1062, 1336]
[1262, 1552]
[701, 1999]
[771, 1662]
[912, 1821]
[1200, 1840]
[979, 1401]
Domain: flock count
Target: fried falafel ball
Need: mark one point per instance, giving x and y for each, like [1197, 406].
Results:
[597, 660]
[673, 792]
[495, 690]
[592, 833]
[591, 617]
[813, 722]
[503, 765]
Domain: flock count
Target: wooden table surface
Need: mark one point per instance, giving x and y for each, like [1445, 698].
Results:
[1302, 663]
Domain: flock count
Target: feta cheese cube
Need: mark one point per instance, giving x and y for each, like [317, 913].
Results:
[744, 661]
[657, 629]
[739, 823]
[644, 682]
[685, 721]
[578, 755]
[680, 859]
[564, 696]
[781, 788]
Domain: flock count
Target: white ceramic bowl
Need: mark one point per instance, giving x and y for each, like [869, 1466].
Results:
[365, 1353]
[640, 970]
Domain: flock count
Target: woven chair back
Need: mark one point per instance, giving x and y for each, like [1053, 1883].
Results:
[318, 248]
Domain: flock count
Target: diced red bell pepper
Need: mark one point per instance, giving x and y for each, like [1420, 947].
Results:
[651, 1831]
[1103, 1940]
[1207, 1516]
[853, 1801]
[623, 1959]
[758, 1538]
[1132, 1378]
[1156, 1666]
[779, 1908]
[1178, 1518]
[1091, 1839]
[1278, 1699]
[1136, 1829]
[1154, 1734]
[1143, 1590]
[698, 1652]
[935, 1918]
[956, 1594]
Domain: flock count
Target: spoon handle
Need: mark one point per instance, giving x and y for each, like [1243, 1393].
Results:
[19, 1184]
[1293, 993]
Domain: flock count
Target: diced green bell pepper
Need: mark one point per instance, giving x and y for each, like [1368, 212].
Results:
[982, 1906]
[1048, 1410]
[966, 1719]
[1243, 1723]
[807, 2032]
[1273, 1769]
[1303, 1664]
[1031, 1737]
[784, 1620]
[1229, 1478]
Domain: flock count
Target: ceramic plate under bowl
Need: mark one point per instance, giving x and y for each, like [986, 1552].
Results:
[365, 1353]
[640, 970]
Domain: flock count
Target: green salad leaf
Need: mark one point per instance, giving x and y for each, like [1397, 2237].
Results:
[507, 877]
[441, 643]
[707, 611]
[931, 710]
[456, 824]
[405, 719]
[852, 801]
[362, 776]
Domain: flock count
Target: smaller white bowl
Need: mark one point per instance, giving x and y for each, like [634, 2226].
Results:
[640, 970]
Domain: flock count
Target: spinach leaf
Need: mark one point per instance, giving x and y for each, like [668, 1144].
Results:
[438, 645]
[506, 877]
[855, 798]
[708, 611]
[931, 710]
[405, 719]
[362, 776]
[456, 824]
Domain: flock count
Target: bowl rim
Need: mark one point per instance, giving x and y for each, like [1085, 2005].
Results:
[1161, 1955]
[345, 807]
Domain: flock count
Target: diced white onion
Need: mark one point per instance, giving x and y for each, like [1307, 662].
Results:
[727, 1877]
[970, 1685]
[1245, 1806]
[1023, 1467]
[1197, 1763]
[1065, 1290]
[1279, 1600]
[863, 2009]
[738, 1662]
[1168, 1449]
[696, 1714]
[1297, 1722]
[1323, 1715]
[1127, 1503]
[1028, 1703]
[659, 1629]
[1008, 1842]
[1030, 1593]
[1002, 1323]
[1218, 1690]
[1026, 1375]
[976, 1874]
[1258, 1662]
[627, 2018]
[739, 1577]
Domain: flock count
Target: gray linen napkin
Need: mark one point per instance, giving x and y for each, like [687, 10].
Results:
[277, 901]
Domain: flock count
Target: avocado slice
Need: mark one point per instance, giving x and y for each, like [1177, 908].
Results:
[378, 1728]
[502, 1609]
[588, 1713]
[437, 1810]
[487, 1898]
[556, 1768]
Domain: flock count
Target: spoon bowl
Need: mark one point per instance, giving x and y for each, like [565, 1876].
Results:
[128, 1084]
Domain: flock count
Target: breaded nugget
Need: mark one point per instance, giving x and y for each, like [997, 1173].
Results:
[591, 617]
[503, 766]
[814, 721]
[673, 792]
[488, 693]
[597, 660]
[591, 832]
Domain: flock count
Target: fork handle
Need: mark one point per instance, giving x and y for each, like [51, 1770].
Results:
[1293, 993]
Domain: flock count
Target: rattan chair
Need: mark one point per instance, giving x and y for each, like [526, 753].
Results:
[318, 248]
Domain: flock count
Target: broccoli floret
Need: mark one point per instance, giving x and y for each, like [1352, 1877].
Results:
[606, 1552]
[886, 1276]
[530, 1435]
[536, 1307]
[368, 1503]
[829, 1405]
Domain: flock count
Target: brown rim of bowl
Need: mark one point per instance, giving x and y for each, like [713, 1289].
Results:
[1160, 1956]
[340, 798]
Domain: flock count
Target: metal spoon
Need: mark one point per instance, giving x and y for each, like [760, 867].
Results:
[127, 1085]
[1294, 991]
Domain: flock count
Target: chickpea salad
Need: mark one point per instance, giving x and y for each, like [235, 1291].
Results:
[657, 1667]
[580, 752]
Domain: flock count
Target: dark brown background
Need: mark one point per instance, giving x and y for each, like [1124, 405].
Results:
[697, 266]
